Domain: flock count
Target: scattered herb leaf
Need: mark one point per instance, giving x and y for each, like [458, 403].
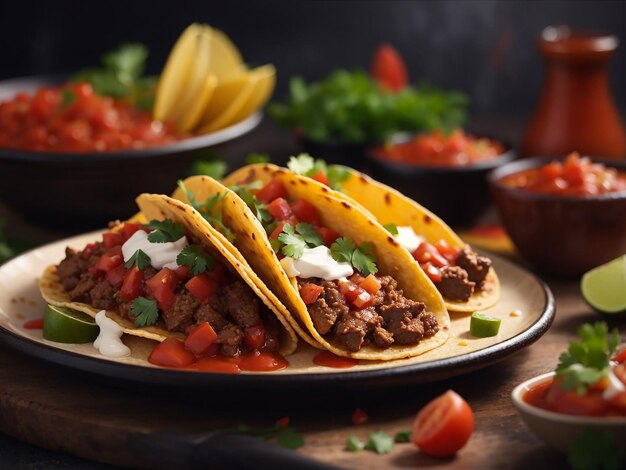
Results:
[257, 207]
[139, 257]
[289, 438]
[392, 229]
[363, 258]
[402, 436]
[380, 442]
[145, 311]
[301, 164]
[209, 210]
[595, 449]
[342, 249]
[354, 444]
[257, 158]
[309, 234]
[197, 258]
[294, 244]
[215, 169]
[306, 165]
[165, 231]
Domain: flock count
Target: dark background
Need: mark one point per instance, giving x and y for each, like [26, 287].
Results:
[485, 48]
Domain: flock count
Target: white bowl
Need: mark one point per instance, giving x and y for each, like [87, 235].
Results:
[560, 430]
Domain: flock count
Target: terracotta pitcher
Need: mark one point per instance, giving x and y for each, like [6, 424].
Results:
[575, 110]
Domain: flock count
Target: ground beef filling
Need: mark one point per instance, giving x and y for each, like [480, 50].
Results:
[466, 277]
[234, 308]
[392, 319]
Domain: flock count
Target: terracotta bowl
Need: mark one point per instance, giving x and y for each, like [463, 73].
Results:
[559, 430]
[561, 235]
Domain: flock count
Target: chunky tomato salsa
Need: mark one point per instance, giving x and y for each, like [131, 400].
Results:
[157, 275]
[439, 149]
[576, 176]
[72, 118]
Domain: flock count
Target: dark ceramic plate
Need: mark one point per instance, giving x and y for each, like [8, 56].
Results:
[20, 301]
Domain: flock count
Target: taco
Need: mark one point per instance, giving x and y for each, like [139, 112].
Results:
[348, 285]
[465, 279]
[161, 279]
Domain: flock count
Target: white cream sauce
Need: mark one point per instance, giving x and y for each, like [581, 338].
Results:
[162, 255]
[408, 238]
[316, 262]
[109, 341]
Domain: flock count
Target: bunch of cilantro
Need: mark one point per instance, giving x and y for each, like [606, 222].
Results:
[348, 106]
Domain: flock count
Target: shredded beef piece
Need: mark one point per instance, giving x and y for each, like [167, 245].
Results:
[242, 304]
[330, 305]
[180, 314]
[477, 266]
[70, 269]
[102, 295]
[230, 339]
[351, 330]
[454, 283]
[80, 293]
[431, 327]
[208, 313]
[382, 338]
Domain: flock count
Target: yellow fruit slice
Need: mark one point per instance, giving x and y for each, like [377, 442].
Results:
[175, 74]
[225, 93]
[226, 60]
[251, 98]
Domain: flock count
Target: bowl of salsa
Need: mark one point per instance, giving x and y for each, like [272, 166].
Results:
[565, 216]
[446, 172]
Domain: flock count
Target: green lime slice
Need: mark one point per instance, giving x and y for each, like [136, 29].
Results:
[64, 325]
[604, 287]
[483, 326]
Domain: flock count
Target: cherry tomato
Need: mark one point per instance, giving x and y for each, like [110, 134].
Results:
[388, 69]
[171, 353]
[272, 190]
[200, 339]
[309, 292]
[443, 426]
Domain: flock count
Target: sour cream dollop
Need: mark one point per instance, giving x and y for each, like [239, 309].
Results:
[162, 255]
[316, 262]
[108, 341]
[408, 238]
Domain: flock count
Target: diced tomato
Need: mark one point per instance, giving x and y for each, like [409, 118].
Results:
[371, 284]
[161, 287]
[359, 417]
[619, 401]
[254, 336]
[201, 287]
[450, 253]
[432, 272]
[116, 276]
[320, 177]
[309, 292]
[427, 252]
[278, 230]
[217, 274]
[305, 211]
[129, 229]
[107, 262]
[388, 69]
[171, 353]
[200, 339]
[359, 298]
[620, 372]
[272, 190]
[89, 250]
[182, 272]
[346, 286]
[620, 357]
[111, 239]
[328, 235]
[279, 209]
[283, 422]
[132, 287]
[571, 403]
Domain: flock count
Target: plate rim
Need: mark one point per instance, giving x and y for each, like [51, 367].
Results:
[139, 374]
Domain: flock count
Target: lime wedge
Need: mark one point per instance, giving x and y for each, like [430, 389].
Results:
[64, 325]
[484, 326]
[604, 287]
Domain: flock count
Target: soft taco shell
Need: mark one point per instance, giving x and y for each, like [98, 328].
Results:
[154, 206]
[346, 219]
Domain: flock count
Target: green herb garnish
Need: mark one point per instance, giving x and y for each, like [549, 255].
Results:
[380, 442]
[197, 258]
[306, 165]
[354, 444]
[139, 257]
[216, 169]
[145, 311]
[594, 449]
[363, 258]
[392, 229]
[587, 361]
[309, 234]
[257, 207]
[165, 231]
[294, 244]
[209, 209]
[284, 436]
[257, 158]
[402, 436]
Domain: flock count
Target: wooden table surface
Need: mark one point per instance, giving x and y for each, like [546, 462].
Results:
[35, 395]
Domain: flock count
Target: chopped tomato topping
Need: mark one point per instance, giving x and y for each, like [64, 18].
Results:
[278, 230]
[182, 272]
[171, 353]
[328, 235]
[107, 262]
[279, 209]
[111, 239]
[254, 336]
[620, 357]
[132, 287]
[89, 250]
[432, 272]
[359, 417]
[305, 211]
[161, 286]
[320, 177]
[129, 229]
[283, 422]
[201, 287]
[450, 253]
[371, 284]
[309, 292]
[217, 274]
[272, 190]
[200, 339]
[428, 253]
[116, 276]
[359, 298]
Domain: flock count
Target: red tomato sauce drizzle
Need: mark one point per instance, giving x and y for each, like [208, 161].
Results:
[328, 359]
[36, 324]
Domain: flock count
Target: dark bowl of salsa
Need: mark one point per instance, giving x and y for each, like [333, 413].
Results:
[445, 173]
[55, 173]
[565, 216]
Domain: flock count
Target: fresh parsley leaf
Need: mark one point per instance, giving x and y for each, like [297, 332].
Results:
[216, 169]
[364, 259]
[165, 231]
[354, 444]
[595, 449]
[341, 250]
[402, 436]
[309, 234]
[139, 257]
[294, 244]
[197, 258]
[392, 229]
[587, 361]
[209, 210]
[336, 175]
[289, 438]
[301, 164]
[380, 442]
[257, 207]
[257, 158]
[275, 244]
[67, 98]
[145, 311]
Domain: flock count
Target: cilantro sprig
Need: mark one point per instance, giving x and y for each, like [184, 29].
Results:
[392, 229]
[285, 436]
[165, 231]
[255, 157]
[363, 257]
[244, 191]
[216, 169]
[379, 442]
[195, 257]
[305, 165]
[145, 311]
[587, 361]
[295, 243]
[139, 257]
[210, 209]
